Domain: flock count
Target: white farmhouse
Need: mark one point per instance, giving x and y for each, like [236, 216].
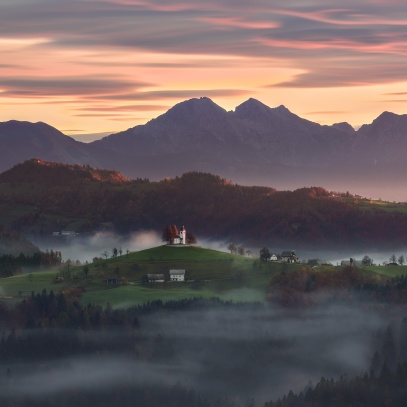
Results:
[177, 275]
[289, 257]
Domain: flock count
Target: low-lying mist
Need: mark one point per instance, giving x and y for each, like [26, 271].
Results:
[235, 351]
[85, 248]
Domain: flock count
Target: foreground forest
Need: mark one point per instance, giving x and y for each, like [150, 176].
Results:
[38, 198]
[337, 350]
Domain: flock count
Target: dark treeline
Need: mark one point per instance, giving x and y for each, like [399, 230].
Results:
[10, 265]
[388, 388]
[214, 206]
[63, 310]
[62, 313]
[301, 287]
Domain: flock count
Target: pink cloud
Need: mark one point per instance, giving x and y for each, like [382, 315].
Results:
[324, 16]
[395, 48]
[237, 22]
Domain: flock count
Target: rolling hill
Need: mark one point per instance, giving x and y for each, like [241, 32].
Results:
[210, 274]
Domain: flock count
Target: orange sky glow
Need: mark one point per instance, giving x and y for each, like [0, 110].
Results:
[94, 67]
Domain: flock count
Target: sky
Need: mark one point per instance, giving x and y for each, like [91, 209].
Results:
[93, 67]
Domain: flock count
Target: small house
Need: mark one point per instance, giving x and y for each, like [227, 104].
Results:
[112, 280]
[273, 257]
[289, 257]
[156, 278]
[177, 275]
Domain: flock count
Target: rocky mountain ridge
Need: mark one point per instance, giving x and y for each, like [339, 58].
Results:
[254, 144]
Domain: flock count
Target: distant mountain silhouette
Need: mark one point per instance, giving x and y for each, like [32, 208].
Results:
[254, 144]
[20, 141]
[253, 133]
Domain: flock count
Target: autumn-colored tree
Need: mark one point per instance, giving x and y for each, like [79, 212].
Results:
[190, 238]
[168, 235]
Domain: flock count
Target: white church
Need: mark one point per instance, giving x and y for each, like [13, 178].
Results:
[181, 238]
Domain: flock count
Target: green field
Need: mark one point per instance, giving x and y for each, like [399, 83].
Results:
[209, 273]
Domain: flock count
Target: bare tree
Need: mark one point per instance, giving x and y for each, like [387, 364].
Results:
[401, 260]
[367, 261]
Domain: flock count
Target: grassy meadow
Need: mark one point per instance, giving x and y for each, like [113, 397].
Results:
[209, 273]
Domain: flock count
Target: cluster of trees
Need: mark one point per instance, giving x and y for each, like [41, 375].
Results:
[400, 260]
[393, 260]
[10, 265]
[63, 310]
[216, 208]
[240, 250]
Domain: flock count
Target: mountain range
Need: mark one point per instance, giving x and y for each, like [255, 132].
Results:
[254, 144]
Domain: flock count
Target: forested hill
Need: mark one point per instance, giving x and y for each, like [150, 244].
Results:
[84, 199]
[49, 173]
